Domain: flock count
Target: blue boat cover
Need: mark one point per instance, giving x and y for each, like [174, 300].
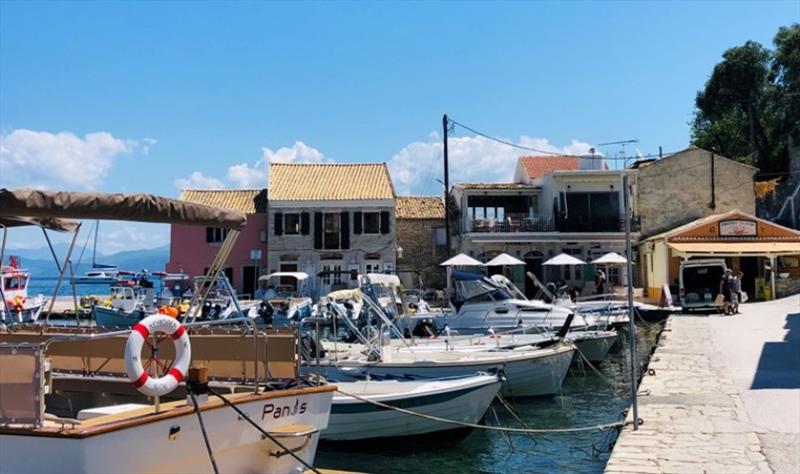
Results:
[459, 275]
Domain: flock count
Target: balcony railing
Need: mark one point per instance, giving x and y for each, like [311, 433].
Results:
[539, 224]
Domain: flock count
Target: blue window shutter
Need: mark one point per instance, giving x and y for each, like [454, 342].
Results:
[357, 222]
[304, 223]
[317, 230]
[384, 222]
[345, 228]
[278, 223]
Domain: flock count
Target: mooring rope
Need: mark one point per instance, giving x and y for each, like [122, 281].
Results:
[203, 430]
[605, 379]
[263, 431]
[482, 427]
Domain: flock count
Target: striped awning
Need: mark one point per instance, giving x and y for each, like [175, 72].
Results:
[737, 248]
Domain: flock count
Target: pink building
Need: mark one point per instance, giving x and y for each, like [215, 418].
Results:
[192, 248]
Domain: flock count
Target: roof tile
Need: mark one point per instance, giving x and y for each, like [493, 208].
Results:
[419, 207]
[330, 182]
[538, 166]
[249, 201]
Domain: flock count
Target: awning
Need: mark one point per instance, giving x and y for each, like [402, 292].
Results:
[126, 207]
[737, 248]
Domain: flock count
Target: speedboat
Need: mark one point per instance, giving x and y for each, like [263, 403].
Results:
[482, 303]
[356, 415]
[17, 307]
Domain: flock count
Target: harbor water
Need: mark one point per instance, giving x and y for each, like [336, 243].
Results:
[587, 399]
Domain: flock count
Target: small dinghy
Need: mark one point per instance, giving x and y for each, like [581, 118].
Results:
[463, 399]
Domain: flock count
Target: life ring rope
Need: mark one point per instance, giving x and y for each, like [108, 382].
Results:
[139, 336]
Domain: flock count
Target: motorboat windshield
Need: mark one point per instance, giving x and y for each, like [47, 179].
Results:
[472, 287]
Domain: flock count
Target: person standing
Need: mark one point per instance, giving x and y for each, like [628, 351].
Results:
[725, 290]
[600, 282]
[736, 290]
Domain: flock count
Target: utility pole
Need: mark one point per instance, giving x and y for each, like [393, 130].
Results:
[629, 269]
[445, 125]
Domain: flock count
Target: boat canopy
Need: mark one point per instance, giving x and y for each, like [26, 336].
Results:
[296, 275]
[50, 223]
[382, 279]
[126, 207]
[457, 275]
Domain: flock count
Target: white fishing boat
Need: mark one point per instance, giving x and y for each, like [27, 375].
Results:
[125, 307]
[358, 418]
[81, 400]
[17, 306]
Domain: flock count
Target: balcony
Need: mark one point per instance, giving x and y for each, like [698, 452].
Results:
[540, 224]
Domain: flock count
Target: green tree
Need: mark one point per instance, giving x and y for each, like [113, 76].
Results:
[750, 104]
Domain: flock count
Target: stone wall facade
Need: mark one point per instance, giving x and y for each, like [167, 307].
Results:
[421, 254]
[677, 189]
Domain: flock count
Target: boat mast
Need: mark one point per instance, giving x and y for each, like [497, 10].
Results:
[94, 250]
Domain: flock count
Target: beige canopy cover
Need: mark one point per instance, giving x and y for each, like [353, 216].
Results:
[52, 223]
[125, 207]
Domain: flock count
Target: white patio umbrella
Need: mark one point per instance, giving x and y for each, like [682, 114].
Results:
[564, 259]
[461, 260]
[611, 258]
[503, 259]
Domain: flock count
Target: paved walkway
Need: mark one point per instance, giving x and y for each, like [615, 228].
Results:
[725, 396]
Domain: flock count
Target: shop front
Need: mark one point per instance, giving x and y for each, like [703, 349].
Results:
[767, 255]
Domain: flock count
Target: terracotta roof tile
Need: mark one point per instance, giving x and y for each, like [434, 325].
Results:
[419, 207]
[538, 166]
[330, 182]
[249, 201]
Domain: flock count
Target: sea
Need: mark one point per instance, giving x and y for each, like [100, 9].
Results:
[587, 398]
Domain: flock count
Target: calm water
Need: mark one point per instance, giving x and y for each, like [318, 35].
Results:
[586, 399]
[46, 285]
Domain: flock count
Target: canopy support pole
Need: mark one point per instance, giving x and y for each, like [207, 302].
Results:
[773, 270]
[6, 307]
[632, 322]
[58, 266]
[61, 275]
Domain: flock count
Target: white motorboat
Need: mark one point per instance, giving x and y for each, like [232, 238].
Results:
[287, 295]
[17, 306]
[481, 303]
[463, 399]
[125, 307]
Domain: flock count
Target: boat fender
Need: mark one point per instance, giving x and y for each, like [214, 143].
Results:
[163, 385]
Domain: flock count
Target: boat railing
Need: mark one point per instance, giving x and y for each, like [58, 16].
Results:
[24, 367]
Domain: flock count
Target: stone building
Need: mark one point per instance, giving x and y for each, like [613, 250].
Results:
[691, 184]
[331, 221]
[421, 236]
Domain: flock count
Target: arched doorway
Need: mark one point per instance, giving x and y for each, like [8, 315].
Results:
[533, 263]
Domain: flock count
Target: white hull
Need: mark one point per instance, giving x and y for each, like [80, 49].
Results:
[147, 448]
[594, 345]
[464, 400]
[30, 314]
[529, 373]
[507, 315]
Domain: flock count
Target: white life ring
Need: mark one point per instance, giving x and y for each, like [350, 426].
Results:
[133, 352]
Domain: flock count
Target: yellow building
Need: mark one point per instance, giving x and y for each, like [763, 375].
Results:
[746, 242]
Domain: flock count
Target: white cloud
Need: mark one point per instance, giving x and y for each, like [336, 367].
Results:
[119, 236]
[44, 159]
[415, 167]
[198, 180]
[244, 175]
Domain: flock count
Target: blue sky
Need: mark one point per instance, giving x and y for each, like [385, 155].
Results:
[124, 96]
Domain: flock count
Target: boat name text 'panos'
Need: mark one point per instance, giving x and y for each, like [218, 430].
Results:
[277, 411]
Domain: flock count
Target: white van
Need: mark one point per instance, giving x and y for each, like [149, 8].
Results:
[699, 282]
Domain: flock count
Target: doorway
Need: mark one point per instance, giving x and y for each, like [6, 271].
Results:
[533, 264]
[249, 280]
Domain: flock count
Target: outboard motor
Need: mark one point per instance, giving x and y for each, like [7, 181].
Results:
[309, 347]
[266, 312]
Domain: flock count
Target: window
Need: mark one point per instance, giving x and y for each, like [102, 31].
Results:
[372, 222]
[215, 235]
[291, 223]
[439, 236]
[331, 231]
[372, 267]
[331, 274]
[534, 206]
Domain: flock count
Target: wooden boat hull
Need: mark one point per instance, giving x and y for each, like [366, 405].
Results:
[175, 444]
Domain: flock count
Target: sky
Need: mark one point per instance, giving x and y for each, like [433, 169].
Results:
[154, 97]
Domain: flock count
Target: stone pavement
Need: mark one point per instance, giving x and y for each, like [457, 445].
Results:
[695, 407]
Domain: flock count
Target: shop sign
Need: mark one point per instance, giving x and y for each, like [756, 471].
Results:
[737, 229]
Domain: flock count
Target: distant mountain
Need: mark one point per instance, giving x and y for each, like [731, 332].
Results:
[40, 261]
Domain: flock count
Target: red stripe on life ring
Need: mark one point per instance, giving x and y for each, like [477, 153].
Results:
[177, 334]
[176, 373]
[142, 329]
[141, 380]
